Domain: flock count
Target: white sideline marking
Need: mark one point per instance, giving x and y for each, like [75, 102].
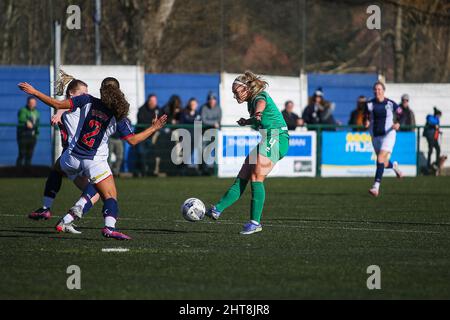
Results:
[332, 228]
[278, 225]
[115, 250]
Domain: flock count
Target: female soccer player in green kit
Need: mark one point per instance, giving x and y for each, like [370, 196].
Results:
[268, 120]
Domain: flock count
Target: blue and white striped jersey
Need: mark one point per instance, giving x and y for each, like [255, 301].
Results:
[381, 116]
[90, 124]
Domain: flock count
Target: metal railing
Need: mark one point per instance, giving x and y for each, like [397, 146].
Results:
[421, 143]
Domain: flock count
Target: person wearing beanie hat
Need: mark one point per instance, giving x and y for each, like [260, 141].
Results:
[318, 110]
[318, 92]
[405, 116]
[211, 112]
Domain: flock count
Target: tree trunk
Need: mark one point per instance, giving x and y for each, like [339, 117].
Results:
[154, 30]
[6, 31]
[398, 48]
[446, 63]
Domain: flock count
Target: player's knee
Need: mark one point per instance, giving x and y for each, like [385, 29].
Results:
[106, 194]
[257, 177]
[109, 195]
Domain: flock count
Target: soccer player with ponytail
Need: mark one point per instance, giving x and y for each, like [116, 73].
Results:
[87, 152]
[268, 120]
[67, 123]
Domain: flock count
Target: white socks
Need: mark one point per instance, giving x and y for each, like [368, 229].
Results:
[81, 202]
[68, 218]
[110, 222]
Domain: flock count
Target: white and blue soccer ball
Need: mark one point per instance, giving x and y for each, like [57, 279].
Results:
[193, 210]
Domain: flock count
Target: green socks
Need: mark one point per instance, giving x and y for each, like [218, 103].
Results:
[237, 189]
[258, 198]
[233, 194]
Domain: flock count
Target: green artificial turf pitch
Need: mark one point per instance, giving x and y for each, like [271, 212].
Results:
[319, 237]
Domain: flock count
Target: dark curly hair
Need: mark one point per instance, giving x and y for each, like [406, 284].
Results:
[74, 85]
[113, 98]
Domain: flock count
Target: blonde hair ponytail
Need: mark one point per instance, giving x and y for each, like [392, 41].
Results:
[254, 83]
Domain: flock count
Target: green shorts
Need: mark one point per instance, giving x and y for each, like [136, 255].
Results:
[274, 145]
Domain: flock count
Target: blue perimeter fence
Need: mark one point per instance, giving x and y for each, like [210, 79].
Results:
[336, 146]
[343, 90]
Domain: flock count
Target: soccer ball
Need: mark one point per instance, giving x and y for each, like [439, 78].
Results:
[193, 210]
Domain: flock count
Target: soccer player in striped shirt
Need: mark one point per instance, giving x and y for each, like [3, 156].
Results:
[380, 119]
[87, 152]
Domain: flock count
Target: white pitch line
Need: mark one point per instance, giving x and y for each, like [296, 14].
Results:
[273, 225]
[430, 224]
[115, 250]
[337, 228]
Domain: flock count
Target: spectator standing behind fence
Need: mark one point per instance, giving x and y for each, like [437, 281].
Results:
[27, 132]
[319, 111]
[405, 116]
[145, 157]
[173, 110]
[166, 141]
[211, 115]
[357, 115]
[115, 146]
[190, 112]
[292, 119]
[431, 133]
[189, 115]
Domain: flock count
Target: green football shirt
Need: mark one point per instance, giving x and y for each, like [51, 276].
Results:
[271, 116]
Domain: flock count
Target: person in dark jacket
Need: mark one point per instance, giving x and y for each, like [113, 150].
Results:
[319, 111]
[147, 112]
[190, 112]
[357, 115]
[145, 155]
[431, 132]
[173, 110]
[27, 132]
[292, 119]
[405, 116]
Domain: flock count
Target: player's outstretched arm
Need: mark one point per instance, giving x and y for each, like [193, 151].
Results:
[57, 104]
[157, 124]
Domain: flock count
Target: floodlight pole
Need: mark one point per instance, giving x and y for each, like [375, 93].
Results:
[303, 62]
[57, 60]
[222, 38]
[56, 68]
[97, 22]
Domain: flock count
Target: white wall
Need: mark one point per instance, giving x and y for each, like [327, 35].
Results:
[131, 78]
[280, 89]
[422, 99]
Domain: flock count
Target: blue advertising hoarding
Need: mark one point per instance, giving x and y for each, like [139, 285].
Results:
[352, 154]
[235, 145]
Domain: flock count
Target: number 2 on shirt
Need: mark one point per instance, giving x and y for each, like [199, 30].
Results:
[88, 139]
